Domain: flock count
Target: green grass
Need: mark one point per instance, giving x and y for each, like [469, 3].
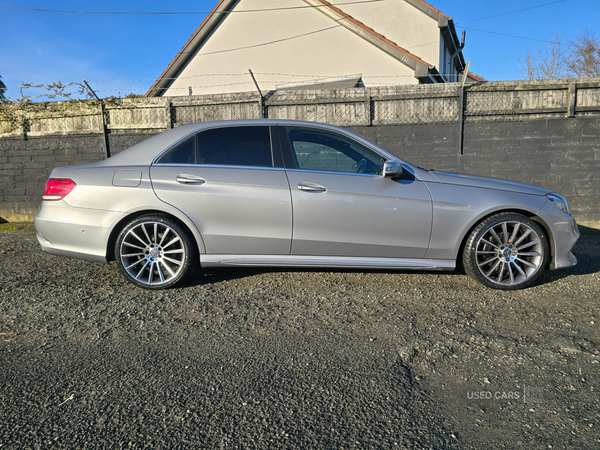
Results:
[10, 226]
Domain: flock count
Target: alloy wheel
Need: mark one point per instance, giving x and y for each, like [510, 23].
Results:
[509, 253]
[152, 253]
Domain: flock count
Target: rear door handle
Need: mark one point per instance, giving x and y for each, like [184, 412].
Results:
[190, 179]
[311, 187]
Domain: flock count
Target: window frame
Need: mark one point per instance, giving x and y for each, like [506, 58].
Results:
[289, 158]
[275, 149]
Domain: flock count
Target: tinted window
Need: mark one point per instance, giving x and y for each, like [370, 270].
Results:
[182, 153]
[331, 152]
[237, 146]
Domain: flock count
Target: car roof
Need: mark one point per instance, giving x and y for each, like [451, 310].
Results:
[146, 151]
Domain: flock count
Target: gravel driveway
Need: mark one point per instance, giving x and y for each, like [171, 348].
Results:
[294, 359]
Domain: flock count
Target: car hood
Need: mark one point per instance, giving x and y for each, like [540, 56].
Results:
[488, 183]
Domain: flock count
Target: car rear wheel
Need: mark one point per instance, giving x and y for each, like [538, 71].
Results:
[506, 251]
[154, 252]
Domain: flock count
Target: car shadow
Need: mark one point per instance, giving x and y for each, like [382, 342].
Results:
[217, 274]
[586, 250]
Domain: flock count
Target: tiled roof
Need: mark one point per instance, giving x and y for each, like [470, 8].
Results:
[432, 8]
[475, 77]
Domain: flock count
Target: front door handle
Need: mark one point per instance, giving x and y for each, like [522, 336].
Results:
[311, 187]
[190, 179]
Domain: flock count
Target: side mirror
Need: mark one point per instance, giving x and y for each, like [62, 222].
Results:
[392, 169]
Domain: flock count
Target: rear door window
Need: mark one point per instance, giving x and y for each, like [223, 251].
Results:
[228, 146]
[235, 146]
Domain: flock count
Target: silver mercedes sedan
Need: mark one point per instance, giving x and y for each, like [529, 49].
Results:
[295, 194]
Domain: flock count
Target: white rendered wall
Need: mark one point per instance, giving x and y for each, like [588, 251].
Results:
[293, 45]
[402, 24]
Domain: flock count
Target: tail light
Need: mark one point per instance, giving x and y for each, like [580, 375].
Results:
[58, 188]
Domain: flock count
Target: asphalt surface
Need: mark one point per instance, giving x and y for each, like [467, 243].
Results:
[294, 359]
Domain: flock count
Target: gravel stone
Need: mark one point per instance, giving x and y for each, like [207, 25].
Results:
[302, 359]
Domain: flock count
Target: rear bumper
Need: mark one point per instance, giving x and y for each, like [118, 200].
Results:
[74, 232]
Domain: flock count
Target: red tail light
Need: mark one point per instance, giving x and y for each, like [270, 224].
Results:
[58, 188]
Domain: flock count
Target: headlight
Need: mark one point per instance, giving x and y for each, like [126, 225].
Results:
[560, 202]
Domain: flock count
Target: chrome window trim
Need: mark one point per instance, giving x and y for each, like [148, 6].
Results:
[217, 166]
[336, 173]
[408, 169]
[350, 136]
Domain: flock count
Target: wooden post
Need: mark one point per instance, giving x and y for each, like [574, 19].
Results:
[368, 107]
[168, 106]
[572, 96]
[461, 109]
[25, 129]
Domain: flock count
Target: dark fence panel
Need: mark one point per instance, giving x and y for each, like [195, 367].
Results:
[543, 133]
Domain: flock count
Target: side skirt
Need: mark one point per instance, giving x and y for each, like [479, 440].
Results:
[339, 262]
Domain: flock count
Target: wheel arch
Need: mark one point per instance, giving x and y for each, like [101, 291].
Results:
[181, 220]
[527, 213]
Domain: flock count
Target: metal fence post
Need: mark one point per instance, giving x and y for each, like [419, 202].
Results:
[261, 102]
[461, 109]
[103, 119]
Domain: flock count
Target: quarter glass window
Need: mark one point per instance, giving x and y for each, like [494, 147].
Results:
[182, 153]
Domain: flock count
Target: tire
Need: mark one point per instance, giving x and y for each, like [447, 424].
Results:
[507, 251]
[154, 252]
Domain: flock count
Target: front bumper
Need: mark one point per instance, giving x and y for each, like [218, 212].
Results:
[565, 234]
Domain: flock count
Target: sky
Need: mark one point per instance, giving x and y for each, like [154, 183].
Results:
[120, 54]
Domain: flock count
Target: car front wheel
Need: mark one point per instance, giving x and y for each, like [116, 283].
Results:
[506, 251]
[154, 252]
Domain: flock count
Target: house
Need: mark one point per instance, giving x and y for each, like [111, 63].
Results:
[316, 44]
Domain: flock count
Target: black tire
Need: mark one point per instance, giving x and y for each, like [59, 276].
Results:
[154, 252]
[506, 251]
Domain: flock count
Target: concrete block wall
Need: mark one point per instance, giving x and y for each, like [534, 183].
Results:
[559, 154]
[26, 164]
[562, 155]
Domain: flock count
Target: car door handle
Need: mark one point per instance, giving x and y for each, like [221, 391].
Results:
[311, 187]
[190, 179]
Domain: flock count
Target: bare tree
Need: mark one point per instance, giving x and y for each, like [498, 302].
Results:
[2, 88]
[578, 58]
[547, 62]
[584, 60]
